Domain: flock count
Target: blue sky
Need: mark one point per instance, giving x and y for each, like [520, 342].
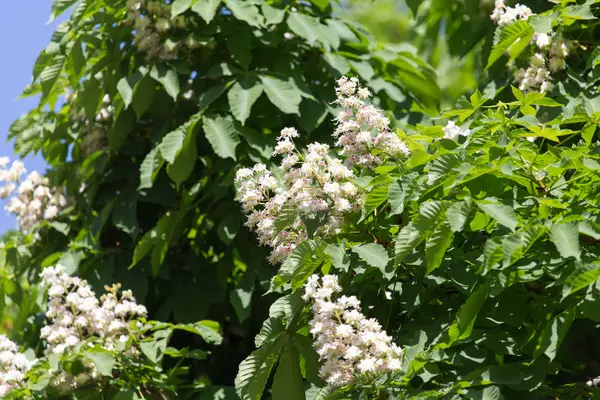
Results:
[24, 32]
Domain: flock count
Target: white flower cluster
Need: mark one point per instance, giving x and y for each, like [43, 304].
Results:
[550, 56]
[13, 366]
[362, 131]
[504, 15]
[34, 200]
[542, 64]
[348, 343]
[75, 314]
[314, 186]
[452, 132]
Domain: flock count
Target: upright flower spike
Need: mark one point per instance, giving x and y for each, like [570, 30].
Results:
[349, 344]
[32, 199]
[313, 185]
[362, 131]
[549, 59]
[13, 366]
[75, 314]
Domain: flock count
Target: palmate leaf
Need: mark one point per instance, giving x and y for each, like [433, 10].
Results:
[255, 370]
[508, 35]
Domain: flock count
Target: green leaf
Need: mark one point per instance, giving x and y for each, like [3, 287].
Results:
[373, 254]
[255, 369]
[121, 128]
[209, 96]
[287, 383]
[408, 239]
[375, 198]
[462, 327]
[50, 74]
[241, 300]
[583, 276]
[245, 11]
[436, 247]
[554, 334]
[285, 217]
[517, 31]
[126, 395]
[179, 7]
[228, 228]
[222, 135]
[59, 7]
[339, 258]
[166, 77]
[185, 161]
[566, 239]
[580, 12]
[273, 16]
[124, 216]
[207, 9]
[305, 26]
[149, 168]
[396, 198]
[502, 213]
[103, 361]
[209, 331]
[457, 215]
[125, 87]
[285, 95]
[71, 261]
[143, 94]
[312, 114]
[172, 144]
[242, 97]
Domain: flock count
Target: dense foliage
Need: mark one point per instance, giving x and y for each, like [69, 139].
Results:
[411, 256]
